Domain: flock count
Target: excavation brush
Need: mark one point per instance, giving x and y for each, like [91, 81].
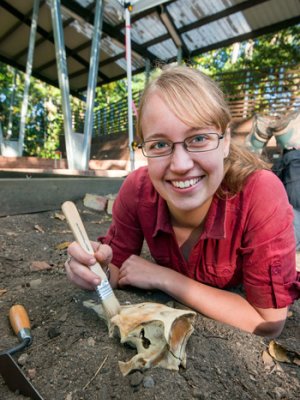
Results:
[110, 303]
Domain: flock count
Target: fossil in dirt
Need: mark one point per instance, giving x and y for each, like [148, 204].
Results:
[158, 332]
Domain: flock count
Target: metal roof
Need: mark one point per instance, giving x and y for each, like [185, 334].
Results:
[194, 26]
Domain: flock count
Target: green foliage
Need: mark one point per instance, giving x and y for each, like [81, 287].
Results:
[267, 51]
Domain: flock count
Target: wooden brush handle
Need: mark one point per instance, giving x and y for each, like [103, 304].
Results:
[73, 218]
[20, 323]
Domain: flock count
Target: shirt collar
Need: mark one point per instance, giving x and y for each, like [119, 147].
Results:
[214, 225]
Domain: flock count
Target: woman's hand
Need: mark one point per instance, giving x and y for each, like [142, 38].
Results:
[138, 272]
[79, 260]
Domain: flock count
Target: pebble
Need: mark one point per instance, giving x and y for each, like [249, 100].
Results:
[23, 359]
[197, 394]
[91, 342]
[63, 317]
[148, 382]
[31, 373]
[136, 378]
[35, 283]
[53, 332]
[39, 266]
[280, 393]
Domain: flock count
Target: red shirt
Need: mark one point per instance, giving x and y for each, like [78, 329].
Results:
[247, 238]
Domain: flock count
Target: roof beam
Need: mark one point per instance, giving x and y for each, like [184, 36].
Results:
[166, 19]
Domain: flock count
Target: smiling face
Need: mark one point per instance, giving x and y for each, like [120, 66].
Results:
[187, 181]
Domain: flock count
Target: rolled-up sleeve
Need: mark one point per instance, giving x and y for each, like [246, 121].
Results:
[269, 258]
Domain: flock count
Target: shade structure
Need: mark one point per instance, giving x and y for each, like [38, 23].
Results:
[158, 33]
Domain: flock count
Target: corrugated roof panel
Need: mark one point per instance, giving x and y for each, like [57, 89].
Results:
[43, 54]
[216, 31]
[113, 69]
[13, 45]
[184, 12]
[113, 12]
[135, 63]
[164, 50]
[74, 37]
[111, 46]
[84, 3]
[263, 15]
[147, 28]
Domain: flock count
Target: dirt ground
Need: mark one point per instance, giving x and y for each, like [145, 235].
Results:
[73, 358]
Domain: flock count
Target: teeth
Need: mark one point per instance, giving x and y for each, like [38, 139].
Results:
[185, 184]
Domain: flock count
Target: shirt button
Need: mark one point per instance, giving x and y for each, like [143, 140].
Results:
[276, 271]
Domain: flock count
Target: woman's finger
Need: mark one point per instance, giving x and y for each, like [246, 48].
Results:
[77, 252]
[80, 274]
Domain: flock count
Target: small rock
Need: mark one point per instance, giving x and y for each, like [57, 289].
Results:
[110, 203]
[91, 342]
[35, 283]
[39, 266]
[148, 382]
[95, 202]
[197, 394]
[31, 373]
[136, 378]
[53, 332]
[69, 396]
[23, 359]
[280, 393]
[63, 317]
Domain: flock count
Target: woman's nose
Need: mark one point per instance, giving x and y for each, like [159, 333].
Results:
[181, 159]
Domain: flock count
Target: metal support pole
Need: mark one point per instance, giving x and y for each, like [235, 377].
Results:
[24, 108]
[179, 55]
[147, 71]
[11, 105]
[92, 81]
[63, 79]
[129, 88]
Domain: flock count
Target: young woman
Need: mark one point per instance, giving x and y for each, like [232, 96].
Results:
[212, 215]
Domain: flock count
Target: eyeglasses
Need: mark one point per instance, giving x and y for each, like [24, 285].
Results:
[193, 144]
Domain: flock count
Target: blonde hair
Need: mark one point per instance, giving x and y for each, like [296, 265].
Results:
[198, 102]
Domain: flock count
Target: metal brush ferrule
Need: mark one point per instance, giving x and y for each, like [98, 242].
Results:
[104, 289]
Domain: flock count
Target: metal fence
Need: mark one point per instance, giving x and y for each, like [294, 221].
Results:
[273, 91]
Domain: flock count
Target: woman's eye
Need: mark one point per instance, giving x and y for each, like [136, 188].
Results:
[160, 145]
[199, 139]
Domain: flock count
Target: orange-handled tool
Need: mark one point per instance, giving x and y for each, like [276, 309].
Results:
[12, 374]
[20, 323]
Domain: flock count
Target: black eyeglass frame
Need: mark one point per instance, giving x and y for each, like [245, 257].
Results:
[141, 145]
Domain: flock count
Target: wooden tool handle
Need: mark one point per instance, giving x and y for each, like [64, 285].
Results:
[73, 218]
[18, 318]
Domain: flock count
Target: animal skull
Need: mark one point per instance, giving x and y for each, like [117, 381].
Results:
[159, 333]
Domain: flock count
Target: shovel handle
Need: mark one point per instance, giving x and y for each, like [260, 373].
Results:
[19, 321]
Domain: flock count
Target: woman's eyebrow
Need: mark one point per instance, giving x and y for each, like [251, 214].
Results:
[188, 132]
[158, 135]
